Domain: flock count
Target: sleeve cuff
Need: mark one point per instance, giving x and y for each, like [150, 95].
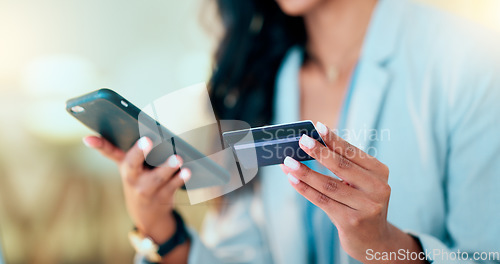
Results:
[436, 251]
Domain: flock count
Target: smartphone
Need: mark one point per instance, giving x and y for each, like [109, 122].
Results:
[121, 123]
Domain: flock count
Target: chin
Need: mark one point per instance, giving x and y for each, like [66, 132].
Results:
[297, 7]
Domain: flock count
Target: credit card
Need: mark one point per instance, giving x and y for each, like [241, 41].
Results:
[270, 145]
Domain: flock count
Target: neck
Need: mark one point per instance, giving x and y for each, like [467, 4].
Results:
[336, 31]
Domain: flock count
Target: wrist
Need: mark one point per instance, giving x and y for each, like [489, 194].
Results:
[161, 231]
[398, 240]
[156, 252]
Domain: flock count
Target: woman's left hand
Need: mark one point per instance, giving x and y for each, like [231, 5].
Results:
[357, 203]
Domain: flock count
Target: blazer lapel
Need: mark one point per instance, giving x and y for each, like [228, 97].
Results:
[373, 76]
[366, 104]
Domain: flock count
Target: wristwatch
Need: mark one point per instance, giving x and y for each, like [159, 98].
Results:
[153, 252]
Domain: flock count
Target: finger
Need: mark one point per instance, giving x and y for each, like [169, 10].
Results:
[159, 176]
[284, 168]
[336, 163]
[133, 163]
[344, 148]
[287, 170]
[331, 187]
[176, 182]
[104, 147]
[317, 198]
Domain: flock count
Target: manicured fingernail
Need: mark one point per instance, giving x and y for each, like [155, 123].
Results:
[185, 174]
[322, 129]
[92, 142]
[173, 161]
[307, 142]
[292, 179]
[291, 163]
[86, 143]
[143, 143]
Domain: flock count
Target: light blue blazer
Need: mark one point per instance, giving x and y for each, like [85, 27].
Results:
[426, 102]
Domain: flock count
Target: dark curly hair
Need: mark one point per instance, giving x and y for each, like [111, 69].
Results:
[257, 35]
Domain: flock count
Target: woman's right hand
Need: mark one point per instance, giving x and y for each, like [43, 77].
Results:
[149, 193]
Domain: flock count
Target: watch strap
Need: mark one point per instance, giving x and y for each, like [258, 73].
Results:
[179, 237]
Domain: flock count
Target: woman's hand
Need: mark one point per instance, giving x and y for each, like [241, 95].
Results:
[357, 203]
[149, 193]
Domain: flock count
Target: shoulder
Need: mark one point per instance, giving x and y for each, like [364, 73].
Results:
[445, 38]
[460, 57]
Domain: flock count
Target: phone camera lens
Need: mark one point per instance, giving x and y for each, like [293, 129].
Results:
[77, 109]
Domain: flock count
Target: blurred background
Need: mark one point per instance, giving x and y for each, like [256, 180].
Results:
[59, 201]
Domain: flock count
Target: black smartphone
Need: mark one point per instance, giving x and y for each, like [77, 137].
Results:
[121, 123]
